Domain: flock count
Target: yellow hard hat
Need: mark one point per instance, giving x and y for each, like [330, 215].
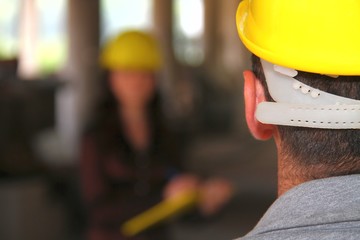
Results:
[319, 36]
[131, 50]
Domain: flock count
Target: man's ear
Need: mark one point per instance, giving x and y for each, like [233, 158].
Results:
[254, 94]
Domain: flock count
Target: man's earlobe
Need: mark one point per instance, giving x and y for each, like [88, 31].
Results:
[254, 94]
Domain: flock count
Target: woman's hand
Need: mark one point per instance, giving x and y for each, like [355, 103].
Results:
[181, 184]
[214, 194]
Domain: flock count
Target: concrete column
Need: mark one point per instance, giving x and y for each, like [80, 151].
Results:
[211, 36]
[163, 30]
[234, 55]
[76, 99]
[234, 59]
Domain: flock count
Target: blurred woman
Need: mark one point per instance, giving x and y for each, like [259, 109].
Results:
[129, 159]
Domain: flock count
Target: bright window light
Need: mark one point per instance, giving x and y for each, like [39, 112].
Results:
[52, 46]
[120, 15]
[191, 17]
[188, 31]
[9, 11]
[42, 37]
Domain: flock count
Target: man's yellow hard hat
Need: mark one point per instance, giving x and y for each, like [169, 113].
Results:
[132, 50]
[319, 36]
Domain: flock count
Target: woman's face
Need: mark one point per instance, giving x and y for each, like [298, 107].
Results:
[132, 88]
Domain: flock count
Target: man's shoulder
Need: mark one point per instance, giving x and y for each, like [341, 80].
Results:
[309, 233]
[320, 209]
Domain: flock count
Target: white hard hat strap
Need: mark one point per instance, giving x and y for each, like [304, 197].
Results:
[321, 116]
[297, 104]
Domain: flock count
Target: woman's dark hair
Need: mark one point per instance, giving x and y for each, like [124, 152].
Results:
[337, 150]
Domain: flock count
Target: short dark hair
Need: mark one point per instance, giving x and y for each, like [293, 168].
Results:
[336, 150]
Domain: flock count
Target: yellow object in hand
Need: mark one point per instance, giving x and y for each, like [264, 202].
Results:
[160, 212]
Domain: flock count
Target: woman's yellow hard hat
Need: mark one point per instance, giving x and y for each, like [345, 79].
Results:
[131, 50]
[319, 36]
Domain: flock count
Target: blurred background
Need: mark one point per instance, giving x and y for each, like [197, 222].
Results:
[49, 51]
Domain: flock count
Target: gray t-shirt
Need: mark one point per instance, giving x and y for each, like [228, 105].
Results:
[320, 209]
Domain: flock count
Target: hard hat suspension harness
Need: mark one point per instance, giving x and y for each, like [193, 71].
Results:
[299, 105]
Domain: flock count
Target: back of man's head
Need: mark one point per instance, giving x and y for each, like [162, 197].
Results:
[307, 58]
[330, 152]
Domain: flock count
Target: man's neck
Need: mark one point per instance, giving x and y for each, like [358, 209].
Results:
[291, 173]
